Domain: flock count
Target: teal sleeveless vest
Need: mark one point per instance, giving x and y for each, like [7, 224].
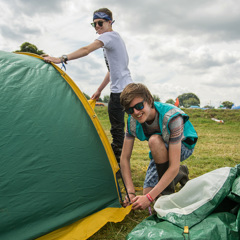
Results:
[166, 113]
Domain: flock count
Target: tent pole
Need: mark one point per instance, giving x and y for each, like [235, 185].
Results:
[123, 185]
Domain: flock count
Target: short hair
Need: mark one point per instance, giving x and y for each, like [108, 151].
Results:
[134, 90]
[104, 10]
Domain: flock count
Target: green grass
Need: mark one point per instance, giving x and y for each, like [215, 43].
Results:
[218, 146]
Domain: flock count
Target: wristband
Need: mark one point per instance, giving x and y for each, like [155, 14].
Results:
[64, 59]
[149, 197]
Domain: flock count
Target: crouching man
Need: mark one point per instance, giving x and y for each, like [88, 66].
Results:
[171, 139]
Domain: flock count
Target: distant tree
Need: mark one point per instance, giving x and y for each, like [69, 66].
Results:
[106, 98]
[191, 102]
[170, 101]
[188, 99]
[227, 104]
[28, 47]
[86, 96]
[156, 98]
[100, 100]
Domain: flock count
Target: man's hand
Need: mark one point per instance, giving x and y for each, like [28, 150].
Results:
[140, 202]
[96, 95]
[126, 201]
[52, 59]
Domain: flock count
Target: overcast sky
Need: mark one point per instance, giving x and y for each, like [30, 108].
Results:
[174, 47]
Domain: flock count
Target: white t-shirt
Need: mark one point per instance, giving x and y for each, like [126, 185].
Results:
[116, 57]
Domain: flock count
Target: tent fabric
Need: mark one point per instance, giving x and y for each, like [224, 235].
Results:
[86, 227]
[207, 207]
[57, 166]
[235, 107]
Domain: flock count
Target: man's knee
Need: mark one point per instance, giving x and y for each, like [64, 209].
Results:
[156, 141]
[158, 149]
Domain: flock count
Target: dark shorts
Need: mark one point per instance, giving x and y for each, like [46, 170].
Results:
[151, 178]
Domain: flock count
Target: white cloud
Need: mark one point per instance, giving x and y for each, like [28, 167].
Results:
[174, 46]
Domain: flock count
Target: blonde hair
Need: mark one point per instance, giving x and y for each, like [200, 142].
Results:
[134, 90]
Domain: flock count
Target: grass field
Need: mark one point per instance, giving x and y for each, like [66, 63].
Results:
[218, 146]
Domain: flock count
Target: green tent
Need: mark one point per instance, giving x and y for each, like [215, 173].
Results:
[206, 208]
[58, 171]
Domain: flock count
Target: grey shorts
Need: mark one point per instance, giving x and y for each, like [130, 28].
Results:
[151, 178]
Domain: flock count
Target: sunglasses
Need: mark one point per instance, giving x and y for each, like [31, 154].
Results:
[138, 106]
[100, 23]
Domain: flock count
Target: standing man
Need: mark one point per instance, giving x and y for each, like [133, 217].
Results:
[118, 74]
[171, 139]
